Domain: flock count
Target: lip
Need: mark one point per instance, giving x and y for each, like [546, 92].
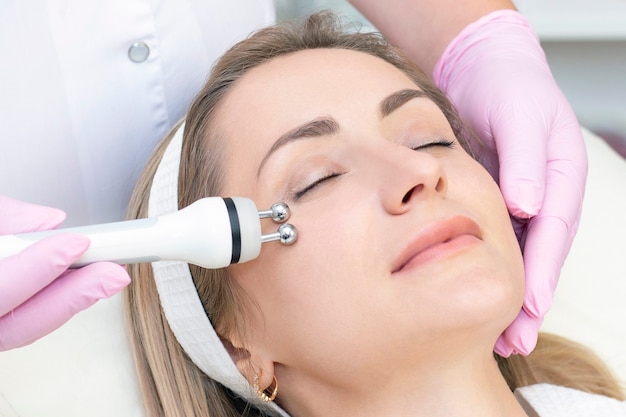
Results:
[438, 240]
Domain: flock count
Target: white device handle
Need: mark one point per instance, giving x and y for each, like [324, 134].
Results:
[212, 232]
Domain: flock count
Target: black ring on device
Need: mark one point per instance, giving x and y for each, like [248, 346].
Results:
[235, 229]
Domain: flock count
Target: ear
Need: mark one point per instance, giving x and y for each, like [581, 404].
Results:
[256, 368]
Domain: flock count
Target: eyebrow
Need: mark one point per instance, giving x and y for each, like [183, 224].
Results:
[322, 126]
[326, 125]
[397, 99]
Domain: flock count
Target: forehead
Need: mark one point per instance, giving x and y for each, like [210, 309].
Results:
[317, 70]
[307, 84]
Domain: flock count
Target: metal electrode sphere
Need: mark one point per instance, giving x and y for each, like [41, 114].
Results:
[280, 212]
[288, 234]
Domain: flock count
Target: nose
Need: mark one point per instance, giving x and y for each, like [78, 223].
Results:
[410, 176]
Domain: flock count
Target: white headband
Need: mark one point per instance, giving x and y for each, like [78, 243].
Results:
[179, 297]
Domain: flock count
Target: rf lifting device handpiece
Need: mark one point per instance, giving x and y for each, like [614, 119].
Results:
[213, 232]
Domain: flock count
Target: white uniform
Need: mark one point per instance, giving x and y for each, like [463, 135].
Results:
[87, 88]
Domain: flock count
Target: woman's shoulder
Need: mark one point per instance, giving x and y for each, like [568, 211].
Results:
[546, 400]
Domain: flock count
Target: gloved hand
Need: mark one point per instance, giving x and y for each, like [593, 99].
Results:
[37, 293]
[496, 74]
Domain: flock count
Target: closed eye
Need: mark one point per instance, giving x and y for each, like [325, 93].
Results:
[300, 193]
[444, 143]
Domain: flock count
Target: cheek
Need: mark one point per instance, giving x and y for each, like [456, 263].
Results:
[476, 189]
[301, 284]
[328, 234]
[471, 184]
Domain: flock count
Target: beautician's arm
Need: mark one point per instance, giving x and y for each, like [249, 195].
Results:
[424, 28]
[487, 58]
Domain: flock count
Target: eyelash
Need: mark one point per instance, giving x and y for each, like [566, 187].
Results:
[445, 143]
[300, 193]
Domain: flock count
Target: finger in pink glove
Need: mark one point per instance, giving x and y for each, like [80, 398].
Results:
[520, 337]
[53, 306]
[19, 217]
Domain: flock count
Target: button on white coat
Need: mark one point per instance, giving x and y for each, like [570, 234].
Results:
[138, 52]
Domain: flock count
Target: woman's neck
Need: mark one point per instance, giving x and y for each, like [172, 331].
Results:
[460, 386]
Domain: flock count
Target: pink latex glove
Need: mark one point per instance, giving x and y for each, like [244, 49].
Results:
[496, 73]
[37, 293]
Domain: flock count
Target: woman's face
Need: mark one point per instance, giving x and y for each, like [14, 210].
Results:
[405, 248]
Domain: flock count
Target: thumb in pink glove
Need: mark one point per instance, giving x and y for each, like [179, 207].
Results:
[37, 292]
[496, 74]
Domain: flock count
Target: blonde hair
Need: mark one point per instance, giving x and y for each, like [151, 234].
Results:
[172, 385]
[560, 361]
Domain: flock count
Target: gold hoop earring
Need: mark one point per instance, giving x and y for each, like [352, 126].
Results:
[261, 393]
